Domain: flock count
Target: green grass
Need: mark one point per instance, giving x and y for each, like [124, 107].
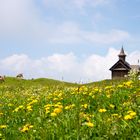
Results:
[46, 109]
[11, 81]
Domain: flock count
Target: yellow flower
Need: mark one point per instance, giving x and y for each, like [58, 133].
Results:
[47, 111]
[33, 101]
[26, 127]
[21, 106]
[57, 110]
[3, 126]
[16, 109]
[48, 105]
[102, 110]
[112, 106]
[67, 107]
[87, 118]
[89, 124]
[73, 105]
[55, 99]
[120, 86]
[128, 84]
[115, 115]
[131, 114]
[85, 106]
[29, 108]
[128, 117]
[60, 106]
[1, 113]
[108, 95]
[108, 87]
[93, 96]
[53, 114]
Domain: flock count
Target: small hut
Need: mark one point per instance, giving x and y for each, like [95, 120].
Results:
[121, 68]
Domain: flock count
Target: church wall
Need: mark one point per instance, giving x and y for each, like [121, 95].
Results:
[119, 74]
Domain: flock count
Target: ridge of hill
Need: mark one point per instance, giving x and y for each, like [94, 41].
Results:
[12, 81]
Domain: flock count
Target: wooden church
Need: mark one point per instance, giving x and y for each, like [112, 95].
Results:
[121, 68]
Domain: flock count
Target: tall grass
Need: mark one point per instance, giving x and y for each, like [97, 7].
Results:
[105, 110]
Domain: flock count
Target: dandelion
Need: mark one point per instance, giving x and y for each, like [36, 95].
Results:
[55, 99]
[93, 96]
[18, 108]
[89, 124]
[1, 113]
[115, 115]
[57, 110]
[120, 86]
[33, 101]
[102, 110]
[133, 114]
[47, 109]
[108, 87]
[48, 105]
[85, 106]
[130, 115]
[69, 107]
[59, 106]
[53, 114]
[112, 106]
[26, 128]
[29, 108]
[108, 95]
[3, 126]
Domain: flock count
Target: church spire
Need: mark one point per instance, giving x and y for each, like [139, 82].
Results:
[122, 55]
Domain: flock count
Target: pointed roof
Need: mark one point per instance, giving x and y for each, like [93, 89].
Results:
[125, 66]
[122, 52]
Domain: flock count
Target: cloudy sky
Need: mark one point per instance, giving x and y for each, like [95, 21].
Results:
[77, 40]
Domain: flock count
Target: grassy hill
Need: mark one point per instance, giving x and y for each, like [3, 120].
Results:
[12, 81]
[55, 110]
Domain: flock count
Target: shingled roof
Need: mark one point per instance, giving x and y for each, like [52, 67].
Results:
[125, 66]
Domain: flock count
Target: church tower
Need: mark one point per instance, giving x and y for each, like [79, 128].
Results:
[121, 68]
[122, 55]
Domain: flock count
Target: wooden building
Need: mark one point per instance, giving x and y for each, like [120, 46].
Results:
[121, 68]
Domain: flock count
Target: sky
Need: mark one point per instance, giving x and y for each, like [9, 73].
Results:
[70, 40]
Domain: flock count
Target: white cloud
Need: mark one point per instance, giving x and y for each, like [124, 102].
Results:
[19, 18]
[134, 57]
[23, 21]
[68, 66]
[62, 63]
[70, 32]
[110, 37]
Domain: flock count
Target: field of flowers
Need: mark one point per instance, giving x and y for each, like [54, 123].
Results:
[70, 113]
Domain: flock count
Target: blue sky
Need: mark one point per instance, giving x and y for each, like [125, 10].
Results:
[76, 39]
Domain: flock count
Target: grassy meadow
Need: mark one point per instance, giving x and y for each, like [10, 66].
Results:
[45, 109]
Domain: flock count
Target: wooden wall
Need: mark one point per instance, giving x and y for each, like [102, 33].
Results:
[119, 74]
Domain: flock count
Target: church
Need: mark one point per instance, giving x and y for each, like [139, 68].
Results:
[121, 68]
